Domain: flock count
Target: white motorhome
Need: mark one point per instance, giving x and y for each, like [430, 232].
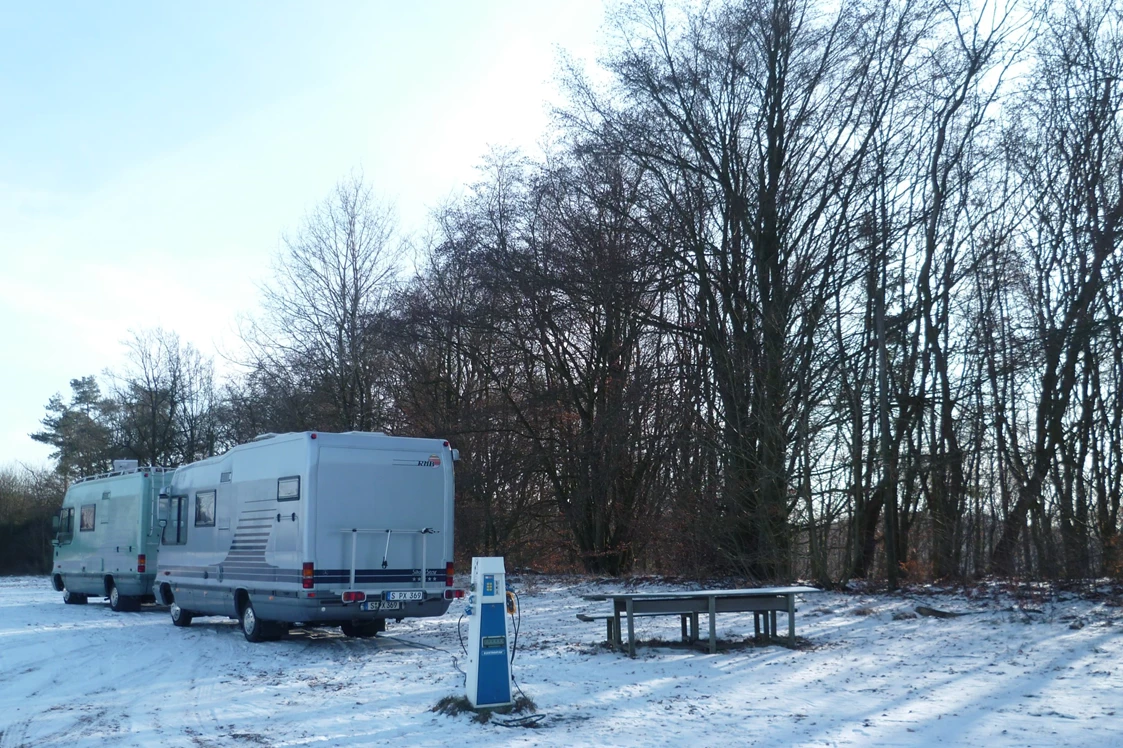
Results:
[106, 538]
[310, 528]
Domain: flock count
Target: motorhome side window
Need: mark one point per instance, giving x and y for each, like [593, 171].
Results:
[87, 521]
[204, 509]
[66, 524]
[288, 489]
[173, 518]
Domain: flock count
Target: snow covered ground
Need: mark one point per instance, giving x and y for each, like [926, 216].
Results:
[869, 675]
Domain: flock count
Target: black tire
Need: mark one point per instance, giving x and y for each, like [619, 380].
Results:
[181, 617]
[362, 629]
[73, 598]
[119, 603]
[256, 630]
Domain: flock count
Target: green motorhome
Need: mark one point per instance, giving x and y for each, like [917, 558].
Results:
[106, 538]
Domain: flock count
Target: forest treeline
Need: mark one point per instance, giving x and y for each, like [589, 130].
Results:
[796, 290]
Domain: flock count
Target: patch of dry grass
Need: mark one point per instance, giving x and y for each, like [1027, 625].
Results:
[455, 705]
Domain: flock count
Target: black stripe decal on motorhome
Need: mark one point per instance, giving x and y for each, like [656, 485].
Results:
[267, 573]
[376, 576]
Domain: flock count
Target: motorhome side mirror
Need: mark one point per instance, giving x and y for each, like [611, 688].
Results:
[163, 524]
[456, 455]
[54, 523]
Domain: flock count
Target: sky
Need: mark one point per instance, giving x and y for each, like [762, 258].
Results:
[153, 154]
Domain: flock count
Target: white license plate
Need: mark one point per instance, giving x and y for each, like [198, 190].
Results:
[405, 595]
[380, 605]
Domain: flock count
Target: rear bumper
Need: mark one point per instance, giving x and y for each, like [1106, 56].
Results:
[333, 609]
[288, 605]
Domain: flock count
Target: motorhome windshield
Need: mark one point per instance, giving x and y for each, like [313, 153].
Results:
[173, 520]
[66, 525]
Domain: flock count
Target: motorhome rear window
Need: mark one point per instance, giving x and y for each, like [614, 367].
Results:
[87, 521]
[204, 509]
[288, 489]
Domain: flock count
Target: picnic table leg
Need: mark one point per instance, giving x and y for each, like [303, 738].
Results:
[694, 624]
[756, 624]
[773, 624]
[713, 625]
[791, 620]
[616, 640]
[631, 631]
[682, 620]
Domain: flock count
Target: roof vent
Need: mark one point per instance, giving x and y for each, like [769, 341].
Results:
[261, 437]
[119, 465]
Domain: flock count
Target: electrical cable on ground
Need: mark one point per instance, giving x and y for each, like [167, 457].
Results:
[529, 720]
[419, 645]
[516, 625]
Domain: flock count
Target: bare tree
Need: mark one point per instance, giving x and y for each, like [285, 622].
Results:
[753, 119]
[147, 395]
[320, 325]
[1070, 148]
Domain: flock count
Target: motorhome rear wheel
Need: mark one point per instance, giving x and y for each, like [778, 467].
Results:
[121, 603]
[256, 630]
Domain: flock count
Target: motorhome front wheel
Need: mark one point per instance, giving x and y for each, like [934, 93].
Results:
[180, 617]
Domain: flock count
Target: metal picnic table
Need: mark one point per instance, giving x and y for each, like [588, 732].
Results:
[763, 602]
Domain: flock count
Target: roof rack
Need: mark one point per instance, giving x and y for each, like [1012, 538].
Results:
[127, 471]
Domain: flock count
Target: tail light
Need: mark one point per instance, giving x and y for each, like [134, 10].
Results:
[306, 574]
[448, 574]
[352, 596]
[140, 563]
[454, 594]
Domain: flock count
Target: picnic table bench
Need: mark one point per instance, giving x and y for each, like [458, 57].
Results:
[763, 602]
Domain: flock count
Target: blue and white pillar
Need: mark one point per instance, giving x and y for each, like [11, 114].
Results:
[489, 655]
